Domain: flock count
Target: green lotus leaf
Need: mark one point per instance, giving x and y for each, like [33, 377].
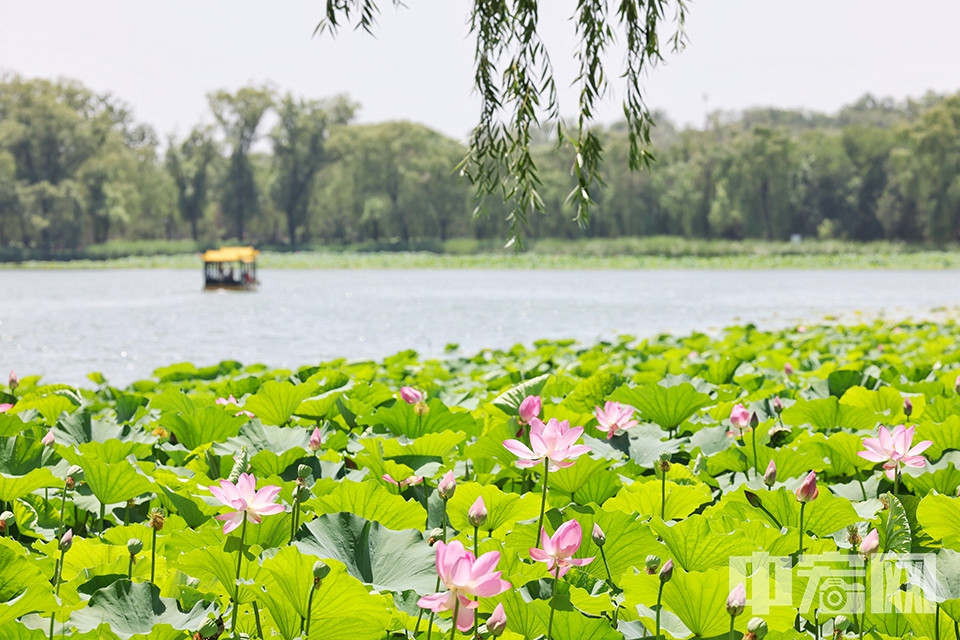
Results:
[940, 518]
[402, 419]
[629, 541]
[592, 392]
[503, 509]
[945, 436]
[203, 426]
[129, 608]
[172, 400]
[894, 528]
[319, 408]
[23, 588]
[110, 451]
[432, 445]
[509, 401]
[644, 498]
[572, 479]
[700, 543]
[275, 402]
[50, 407]
[14, 487]
[822, 517]
[668, 407]
[11, 424]
[113, 483]
[885, 401]
[22, 454]
[944, 480]
[840, 449]
[387, 560]
[272, 449]
[82, 427]
[372, 501]
[18, 631]
[218, 567]
[827, 413]
[529, 619]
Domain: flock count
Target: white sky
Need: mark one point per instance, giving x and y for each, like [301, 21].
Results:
[162, 57]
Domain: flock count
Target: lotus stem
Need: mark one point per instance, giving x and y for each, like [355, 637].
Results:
[256, 617]
[456, 612]
[293, 512]
[63, 507]
[896, 482]
[863, 614]
[476, 554]
[58, 569]
[663, 495]
[153, 556]
[236, 591]
[130, 568]
[543, 500]
[443, 536]
[731, 628]
[103, 511]
[659, 606]
[936, 623]
[556, 583]
[800, 549]
[753, 439]
[313, 589]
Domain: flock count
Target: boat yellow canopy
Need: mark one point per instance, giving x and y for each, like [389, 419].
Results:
[231, 254]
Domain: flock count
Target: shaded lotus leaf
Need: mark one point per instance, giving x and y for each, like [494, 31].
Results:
[128, 608]
[386, 559]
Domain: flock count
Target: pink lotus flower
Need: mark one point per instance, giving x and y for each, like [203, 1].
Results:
[223, 402]
[411, 395]
[558, 550]
[737, 600]
[894, 450]
[447, 485]
[807, 491]
[740, 418]
[497, 622]
[615, 417]
[316, 440]
[409, 481]
[48, 439]
[554, 441]
[6, 406]
[464, 575]
[788, 369]
[870, 544]
[530, 408]
[246, 501]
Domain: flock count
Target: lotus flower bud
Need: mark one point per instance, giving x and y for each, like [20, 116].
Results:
[49, 439]
[316, 440]
[788, 369]
[907, 407]
[599, 538]
[652, 564]
[447, 485]
[841, 623]
[754, 420]
[737, 600]
[435, 534]
[777, 405]
[752, 498]
[156, 520]
[320, 571]
[770, 475]
[807, 491]
[530, 408]
[739, 417]
[666, 571]
[134, 546]
[421, 409]
[66, 541]
[497, 622]
[956, 385]
[304, 471]
[14, 381]
[411, 395]
[477, 515]
[757, 628]
[209, 629]
[870, 545]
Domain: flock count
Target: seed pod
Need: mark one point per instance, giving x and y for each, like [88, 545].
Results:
[303, 471]
[156, 520]
[134, 546]
[320, 571]
[841, 623]
[652, 564]
[757, 627]
[209, 629]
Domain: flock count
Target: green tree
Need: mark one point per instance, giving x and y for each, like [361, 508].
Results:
[189, 164]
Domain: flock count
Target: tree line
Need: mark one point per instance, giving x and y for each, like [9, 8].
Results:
[76, 168]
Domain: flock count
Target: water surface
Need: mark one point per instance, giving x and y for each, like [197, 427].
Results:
[125, 323]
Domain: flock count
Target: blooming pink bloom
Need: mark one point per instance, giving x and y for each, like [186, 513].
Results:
[894, 450]
[558, 550]
[246, 501]
[6, 406]
[554, 441]
[447, 485]
[530, 408]
[411, 395]
[464, 575]
[807, 490]
[497, 622]
[615, 417]
[737, 600]
[870, 544]
[316, 440]
[48, 439]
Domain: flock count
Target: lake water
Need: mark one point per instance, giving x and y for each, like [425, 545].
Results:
[125, 323]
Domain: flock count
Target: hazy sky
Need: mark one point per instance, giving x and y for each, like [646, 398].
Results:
[163, 57]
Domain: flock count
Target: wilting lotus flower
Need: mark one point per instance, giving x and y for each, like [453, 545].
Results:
[406, 482]
[739, 418]
[558, 550]
[554, 441]
[6, 406]
[497, 622]
[464, 576]
[411, 395]
[870, 544]
[248, 502]
[48, 439]
[737, 600]
[316, 440]
[615, 417]
[807, 491]
[530, 408]
[447, 485]
[894, 450]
